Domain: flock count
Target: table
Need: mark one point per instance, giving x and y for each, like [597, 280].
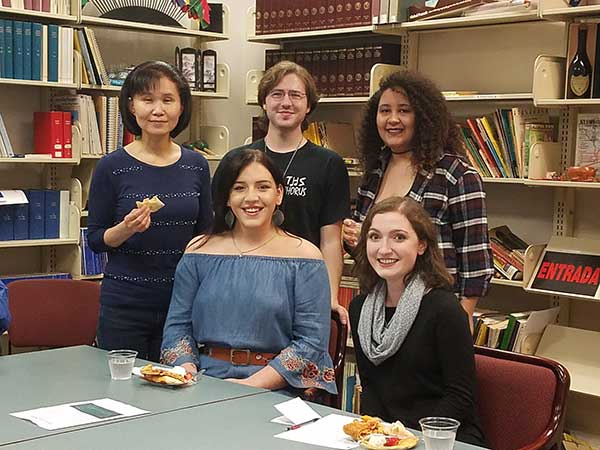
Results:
[240, 424]
[53, 377]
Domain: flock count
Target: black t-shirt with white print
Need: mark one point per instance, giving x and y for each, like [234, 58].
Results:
[317, 190]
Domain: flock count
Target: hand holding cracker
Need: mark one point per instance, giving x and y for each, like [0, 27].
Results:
[154, 203]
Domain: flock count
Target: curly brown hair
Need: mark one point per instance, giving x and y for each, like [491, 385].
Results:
[272, 78]
[435, 130]
[430, 265]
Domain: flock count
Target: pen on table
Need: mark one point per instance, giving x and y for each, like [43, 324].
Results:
[295, 427]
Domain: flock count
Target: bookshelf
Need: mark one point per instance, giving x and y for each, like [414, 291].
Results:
[19, 98]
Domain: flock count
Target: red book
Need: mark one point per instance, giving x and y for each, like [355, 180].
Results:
[46, 5]
[281, 20]
[350, 71]
[340, 88]
[375, 12]
[258, 17]
[324, 74]
[289, 24]
[67, 148]
[359, 69]
[48, 133]
[339, 19]
[267, 21]
[367, 64]
[36, 5]
[305, 20]
[367, 12]
[332, 73]
[6, 3]
[317, 69]
[27, 4]
[484, 149]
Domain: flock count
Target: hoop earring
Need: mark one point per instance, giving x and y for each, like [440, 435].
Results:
[278, 217]
[229, 219]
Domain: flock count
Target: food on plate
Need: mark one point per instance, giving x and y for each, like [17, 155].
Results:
[384, 442]
[360, 428]
[164, 376]
[373, 434]
[154, 203]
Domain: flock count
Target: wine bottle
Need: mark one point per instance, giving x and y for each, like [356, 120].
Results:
[580, 69]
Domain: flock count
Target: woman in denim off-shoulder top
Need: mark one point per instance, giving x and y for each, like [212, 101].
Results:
[144, 244]
[251, 301]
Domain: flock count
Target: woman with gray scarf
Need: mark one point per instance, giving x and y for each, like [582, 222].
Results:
[411, 337]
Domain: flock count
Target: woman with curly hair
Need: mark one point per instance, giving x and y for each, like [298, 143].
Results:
[409, 146]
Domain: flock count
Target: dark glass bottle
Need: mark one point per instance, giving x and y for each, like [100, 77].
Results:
[580, 69]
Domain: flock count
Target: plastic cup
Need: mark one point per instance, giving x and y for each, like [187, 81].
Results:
[121, 363]
[439, 433]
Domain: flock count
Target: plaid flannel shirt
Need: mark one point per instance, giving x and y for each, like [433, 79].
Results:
[453, 195]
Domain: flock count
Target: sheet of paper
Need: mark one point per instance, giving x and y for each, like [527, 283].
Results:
[326, 432]
[297, 411]
[78, 413]
[282, 420]
[15, 197]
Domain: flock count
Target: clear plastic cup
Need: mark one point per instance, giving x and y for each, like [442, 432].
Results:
[121, 363]
[439, 433]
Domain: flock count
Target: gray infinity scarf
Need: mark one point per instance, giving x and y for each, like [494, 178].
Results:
[377, 340]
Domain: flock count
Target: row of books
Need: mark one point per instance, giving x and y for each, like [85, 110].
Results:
[498, 145]
[52, 133]
[284, 16]
[517, 332]
[346, 293]
[509, 253]
[101, 123]
[46, 216]
[339, 72]
[49, 6]
[92, 263]
[93, 70]
[6, 150]
[35, 51]
[7, 279]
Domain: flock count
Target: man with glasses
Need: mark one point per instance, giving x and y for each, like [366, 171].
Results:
[317, 193]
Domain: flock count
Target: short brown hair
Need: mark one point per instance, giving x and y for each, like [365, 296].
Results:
[430, 265]
[273, 77]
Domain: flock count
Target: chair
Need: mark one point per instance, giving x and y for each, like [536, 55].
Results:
[521, 399]
[52, 313]
[337, 350]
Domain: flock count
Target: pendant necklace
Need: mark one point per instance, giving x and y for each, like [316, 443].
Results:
[291, 159]
[243, 252]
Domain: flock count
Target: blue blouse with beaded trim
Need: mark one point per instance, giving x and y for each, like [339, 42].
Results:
[261, 303]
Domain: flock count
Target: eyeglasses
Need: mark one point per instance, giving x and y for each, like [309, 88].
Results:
[279, 94]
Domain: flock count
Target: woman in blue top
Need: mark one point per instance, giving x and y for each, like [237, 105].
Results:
[155, 103]
[251, 302]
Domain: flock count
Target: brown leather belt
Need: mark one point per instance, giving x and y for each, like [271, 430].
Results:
[239, 356]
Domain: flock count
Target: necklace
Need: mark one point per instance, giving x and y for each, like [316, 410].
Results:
[242, 253]
[291, 159]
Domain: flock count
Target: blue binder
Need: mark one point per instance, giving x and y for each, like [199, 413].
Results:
[27, 50]
[7, 223]
[21, 218]
[37, 215]
[18, 49]
[52, 218]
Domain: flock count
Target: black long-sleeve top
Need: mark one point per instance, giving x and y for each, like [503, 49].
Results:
[433, 372]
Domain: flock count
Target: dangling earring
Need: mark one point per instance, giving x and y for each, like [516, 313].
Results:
[278, 217]
[229, 219]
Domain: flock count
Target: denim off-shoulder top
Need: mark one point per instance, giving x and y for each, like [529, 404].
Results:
[261, 303]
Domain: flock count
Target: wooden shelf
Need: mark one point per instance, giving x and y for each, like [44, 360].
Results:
[28, 13]
[490, 98]
[38, 243]
[37, 83]
[223, 85]
[569, 13]
[510, 283]
[456, 22]
[154, 29]
[38, 160]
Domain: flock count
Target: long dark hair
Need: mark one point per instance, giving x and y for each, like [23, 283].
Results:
[228, 171]
[142, 79]
[435, 130]
[430, 265]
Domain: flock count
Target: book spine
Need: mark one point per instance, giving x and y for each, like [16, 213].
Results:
[36, 49]
[359, 69]
[367, 64]
[350, 71]
[7, 223]
[332, 73]
[8, 49]
[341, 72]
[18, 49]
[64, 216]
[2, 48]
[37, 214]
[27, 29]
[367, 12]
[305, 21]
[52, 218]
[259, 17]
[53, 52]
[21, 217]
[66, 135]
